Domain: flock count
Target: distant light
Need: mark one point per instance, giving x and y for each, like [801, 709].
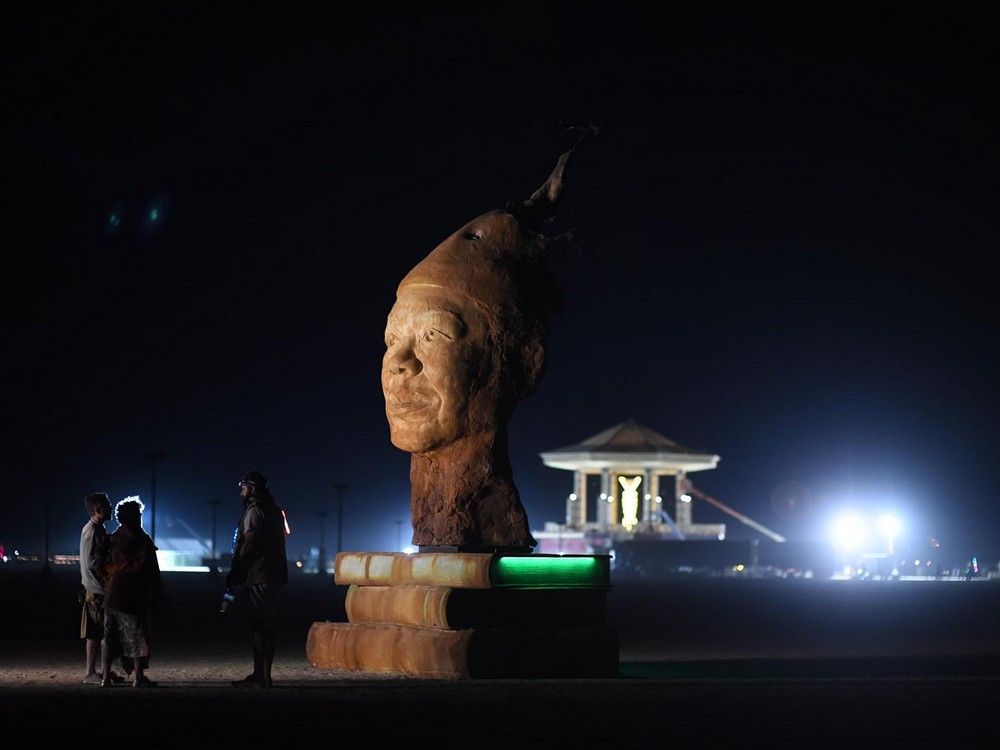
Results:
[572, 497]
[155, 216]
[889, 524]
[179, 562]
[659, 499]
[169, 568]
[848, 532]
[113, 222]
[685, 498]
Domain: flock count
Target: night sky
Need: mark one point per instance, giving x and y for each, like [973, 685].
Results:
[779, 251]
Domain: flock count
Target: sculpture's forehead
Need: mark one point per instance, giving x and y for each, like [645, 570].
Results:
[430, 299]
[422, 304]
[476, 261]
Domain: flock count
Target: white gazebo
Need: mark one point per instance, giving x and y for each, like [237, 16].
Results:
[632, 462]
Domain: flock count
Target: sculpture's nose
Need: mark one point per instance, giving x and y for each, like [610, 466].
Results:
[401, 359]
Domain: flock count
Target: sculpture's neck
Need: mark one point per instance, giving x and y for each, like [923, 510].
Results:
[464, 495]
[463, 466]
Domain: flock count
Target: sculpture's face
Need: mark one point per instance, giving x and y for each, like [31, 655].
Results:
[433, 371]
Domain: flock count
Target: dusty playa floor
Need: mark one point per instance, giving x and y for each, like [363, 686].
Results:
[193, 644]
[800, 666]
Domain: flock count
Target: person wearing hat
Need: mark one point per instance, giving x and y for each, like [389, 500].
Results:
[260, 569]
[464, 344]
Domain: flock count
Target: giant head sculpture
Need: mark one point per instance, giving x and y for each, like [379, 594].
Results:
[465, 342]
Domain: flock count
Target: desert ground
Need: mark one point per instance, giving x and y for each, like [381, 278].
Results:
[786, 663]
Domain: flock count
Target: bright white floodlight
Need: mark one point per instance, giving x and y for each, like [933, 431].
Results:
[848, 532]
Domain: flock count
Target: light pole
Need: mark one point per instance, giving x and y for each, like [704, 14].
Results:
[153, 458]
[321, 565]
[340, 514]
[214, 502]
[48, 524]
[47, 486]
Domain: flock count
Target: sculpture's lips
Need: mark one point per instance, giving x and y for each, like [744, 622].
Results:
[397, 408]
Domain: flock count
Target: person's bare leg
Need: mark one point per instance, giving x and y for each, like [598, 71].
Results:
[105, 665]
[93, 649]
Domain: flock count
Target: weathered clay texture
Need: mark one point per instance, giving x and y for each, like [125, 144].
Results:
[464, 344]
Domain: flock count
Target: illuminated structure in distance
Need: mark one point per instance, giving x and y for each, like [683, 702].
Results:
[638, 460]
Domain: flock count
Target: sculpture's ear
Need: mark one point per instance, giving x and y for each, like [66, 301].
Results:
[533, 358]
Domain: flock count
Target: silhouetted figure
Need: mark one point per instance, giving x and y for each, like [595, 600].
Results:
[260, 569]
[133, 585]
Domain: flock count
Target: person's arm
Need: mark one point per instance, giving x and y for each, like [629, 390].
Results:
[97, 556]
[155, 576]
[247, 549]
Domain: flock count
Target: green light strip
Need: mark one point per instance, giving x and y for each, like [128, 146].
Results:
[551, 571]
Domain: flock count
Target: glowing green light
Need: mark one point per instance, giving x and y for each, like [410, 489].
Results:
[551, 571]
[154, 215]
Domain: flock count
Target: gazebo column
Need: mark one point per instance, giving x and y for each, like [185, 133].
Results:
[647, 496]
[603, 504]
[683, 516]
[576, 504]
[658, 508]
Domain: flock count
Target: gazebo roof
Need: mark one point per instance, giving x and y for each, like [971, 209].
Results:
[629, 446]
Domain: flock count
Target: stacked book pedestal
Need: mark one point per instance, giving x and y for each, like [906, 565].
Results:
[469, 615]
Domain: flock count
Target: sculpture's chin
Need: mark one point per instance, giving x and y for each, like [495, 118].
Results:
[413, 440]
